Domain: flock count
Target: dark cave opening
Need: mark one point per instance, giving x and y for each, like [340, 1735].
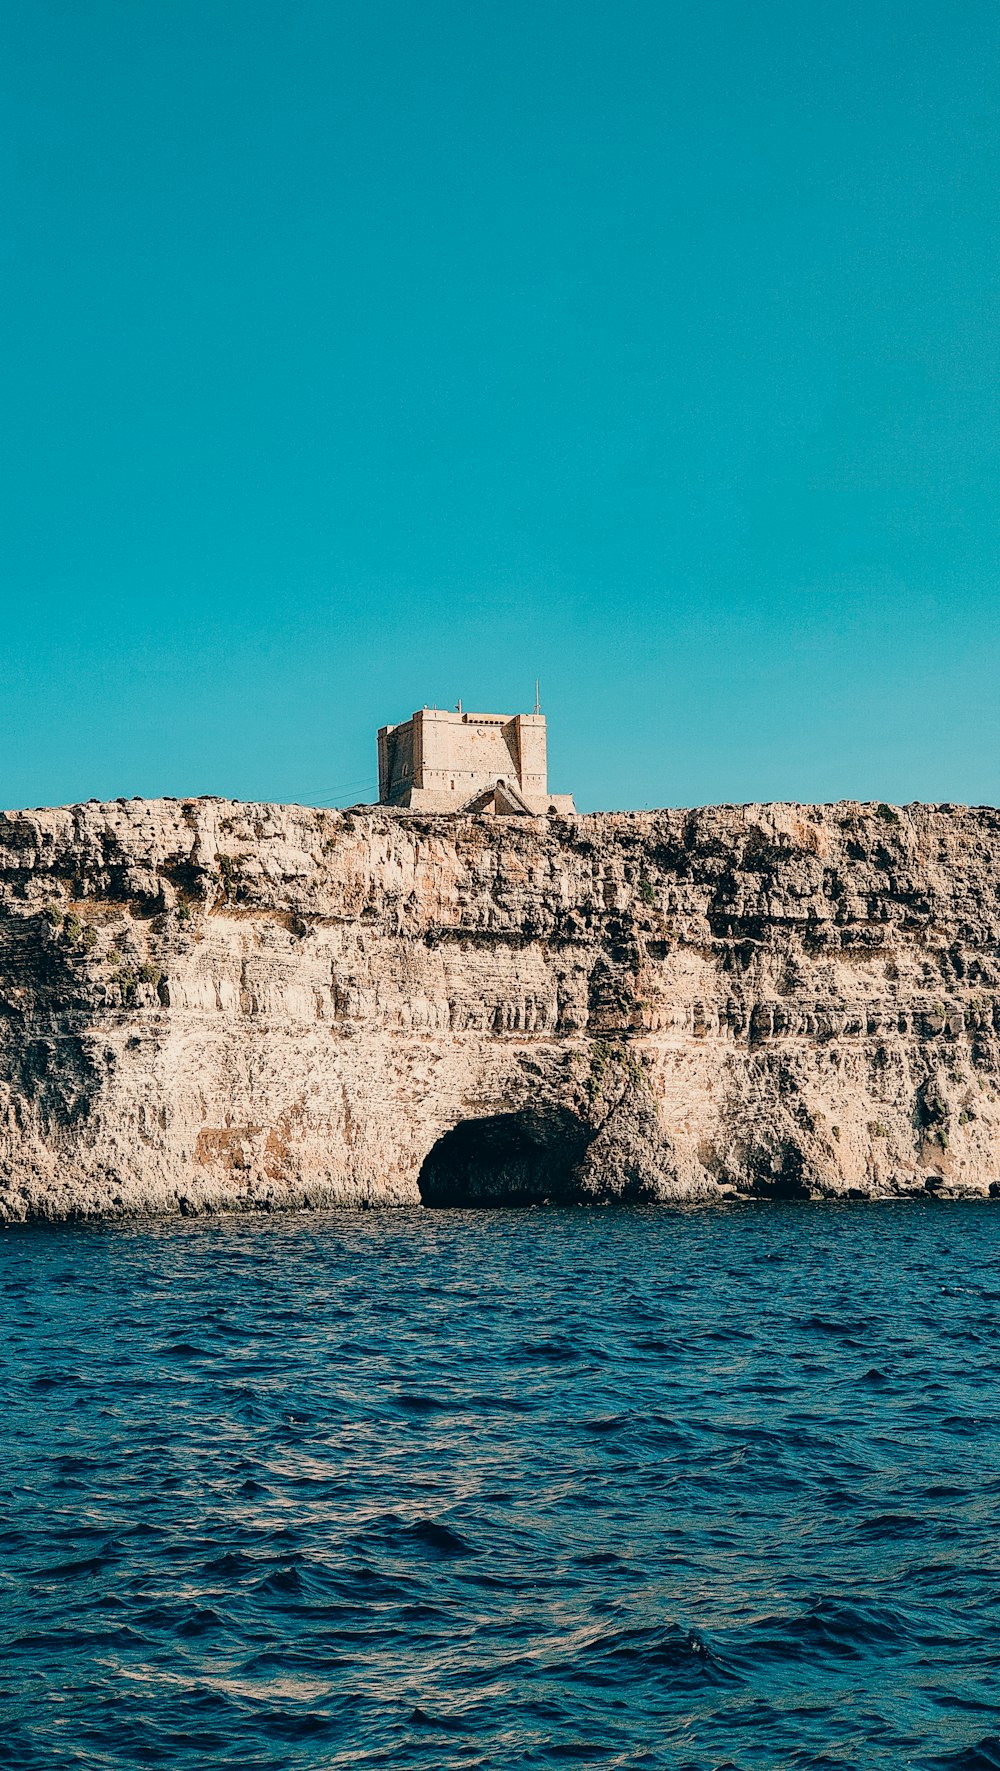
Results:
[528, 1158]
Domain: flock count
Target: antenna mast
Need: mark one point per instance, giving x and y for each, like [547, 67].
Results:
[538, 705]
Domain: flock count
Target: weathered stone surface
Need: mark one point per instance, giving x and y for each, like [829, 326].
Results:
[208, 1005]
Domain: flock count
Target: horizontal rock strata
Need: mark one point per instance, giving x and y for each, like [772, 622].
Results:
[208, 1005]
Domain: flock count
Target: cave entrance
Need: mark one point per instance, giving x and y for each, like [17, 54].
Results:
[527, 1158]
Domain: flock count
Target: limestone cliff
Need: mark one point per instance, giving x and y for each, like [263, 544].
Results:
[206, 1004]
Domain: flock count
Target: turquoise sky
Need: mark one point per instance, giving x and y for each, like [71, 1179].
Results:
[358, 356]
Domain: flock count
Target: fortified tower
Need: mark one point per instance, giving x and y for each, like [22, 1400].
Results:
[438, 761]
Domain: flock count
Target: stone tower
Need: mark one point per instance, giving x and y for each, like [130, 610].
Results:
[438, 761]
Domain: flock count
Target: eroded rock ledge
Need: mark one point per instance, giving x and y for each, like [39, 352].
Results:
[209, 1005]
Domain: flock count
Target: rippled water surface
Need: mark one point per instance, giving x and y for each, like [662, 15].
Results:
[711, 1488]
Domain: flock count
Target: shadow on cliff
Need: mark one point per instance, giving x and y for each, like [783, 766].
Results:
[529, 1158]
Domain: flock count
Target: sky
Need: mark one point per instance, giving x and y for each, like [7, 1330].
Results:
[358, 357]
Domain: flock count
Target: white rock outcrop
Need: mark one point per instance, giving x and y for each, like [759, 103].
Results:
[208, 1005]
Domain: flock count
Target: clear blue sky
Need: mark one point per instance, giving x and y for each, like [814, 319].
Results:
[361, 355]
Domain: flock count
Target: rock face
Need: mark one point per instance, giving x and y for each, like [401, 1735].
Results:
[207, 1005]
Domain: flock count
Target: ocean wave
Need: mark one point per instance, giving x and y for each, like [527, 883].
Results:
[695, 1490]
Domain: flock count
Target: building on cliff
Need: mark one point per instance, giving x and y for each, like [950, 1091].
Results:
[439, 761]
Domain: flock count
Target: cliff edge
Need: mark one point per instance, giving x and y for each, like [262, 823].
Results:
[209, 1005]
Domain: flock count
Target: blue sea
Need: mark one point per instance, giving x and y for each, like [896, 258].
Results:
[714, 1489]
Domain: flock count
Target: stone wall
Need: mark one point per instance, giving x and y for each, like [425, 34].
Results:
[206, 1004]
